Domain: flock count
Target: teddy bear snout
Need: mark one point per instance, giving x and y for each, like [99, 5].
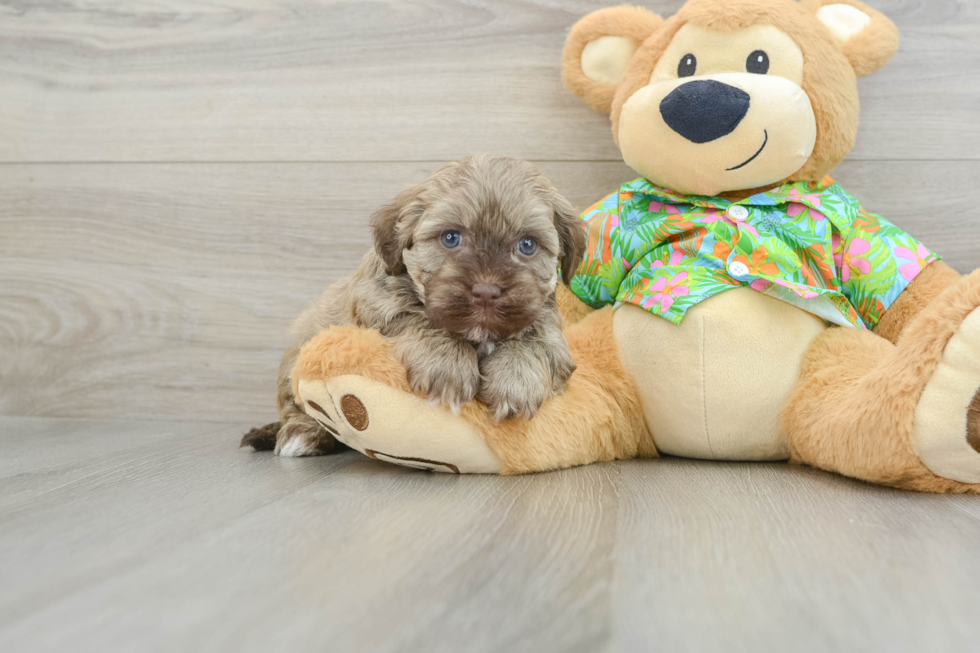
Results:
[705, 110]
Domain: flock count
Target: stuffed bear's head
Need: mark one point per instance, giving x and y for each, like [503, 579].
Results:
[729, 95]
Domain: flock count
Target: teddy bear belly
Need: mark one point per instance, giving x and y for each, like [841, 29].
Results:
[714, 386]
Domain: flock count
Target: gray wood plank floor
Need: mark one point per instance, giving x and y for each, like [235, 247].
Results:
[151, 536]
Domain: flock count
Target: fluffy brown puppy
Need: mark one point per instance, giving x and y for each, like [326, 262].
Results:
[462, 282]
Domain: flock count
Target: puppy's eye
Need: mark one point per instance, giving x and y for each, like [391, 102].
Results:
[758, 63]
[451, 239]
[688, 66]
[527, 246]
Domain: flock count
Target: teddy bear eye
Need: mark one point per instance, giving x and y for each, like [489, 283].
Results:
[758, 63]
[687, 66]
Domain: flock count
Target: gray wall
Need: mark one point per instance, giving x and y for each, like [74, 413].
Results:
[177, 180]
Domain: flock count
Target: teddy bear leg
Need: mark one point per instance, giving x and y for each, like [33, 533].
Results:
[898, 414]
[350, 382]
[599, 416]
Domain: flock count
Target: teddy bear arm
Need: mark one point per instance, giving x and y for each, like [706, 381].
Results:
[599, 417]
[923, 291]
[572, 308]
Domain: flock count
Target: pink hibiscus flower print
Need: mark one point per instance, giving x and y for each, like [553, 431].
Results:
[796, 196]
[846, 260]
[675, 258]
[708, 216]
[665, 292]
[661, 207]
[795, 208]
[920, 258]
[714, 215]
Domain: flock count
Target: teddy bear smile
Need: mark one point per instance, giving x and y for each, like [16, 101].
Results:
[754, 156]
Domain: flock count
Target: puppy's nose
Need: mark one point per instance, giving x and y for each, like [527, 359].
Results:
[485, 294]
[704, 110]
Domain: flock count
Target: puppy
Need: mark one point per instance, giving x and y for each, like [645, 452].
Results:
[462, 283]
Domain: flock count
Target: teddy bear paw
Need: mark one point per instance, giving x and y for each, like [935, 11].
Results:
[395, 426]
[946, 433]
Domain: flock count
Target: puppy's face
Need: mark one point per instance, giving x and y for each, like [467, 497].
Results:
[482, 240]
[485, 264]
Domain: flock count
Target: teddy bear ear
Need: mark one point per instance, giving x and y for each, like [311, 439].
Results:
[598, 50]
[868, 38]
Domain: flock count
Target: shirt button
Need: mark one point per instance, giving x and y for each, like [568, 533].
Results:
[738, 269]
[737, 212]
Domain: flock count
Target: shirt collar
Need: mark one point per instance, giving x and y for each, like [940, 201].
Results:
[794, 192]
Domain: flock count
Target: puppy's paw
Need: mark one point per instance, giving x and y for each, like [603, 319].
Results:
[518, 378]
[514, 385]
[561, 366]
[446, 372]
[450, 387]
[262, 438]
[511, 395]
[302, 436]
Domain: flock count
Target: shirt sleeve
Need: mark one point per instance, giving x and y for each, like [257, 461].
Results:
[598, 278]
[875, 262]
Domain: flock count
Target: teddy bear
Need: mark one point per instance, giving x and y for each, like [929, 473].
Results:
[735, 303]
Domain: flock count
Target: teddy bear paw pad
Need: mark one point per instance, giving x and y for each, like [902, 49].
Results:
[947, 419]
[395, 426]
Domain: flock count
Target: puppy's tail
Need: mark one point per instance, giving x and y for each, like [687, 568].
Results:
[262, 438]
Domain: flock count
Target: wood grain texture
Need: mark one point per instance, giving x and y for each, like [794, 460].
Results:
[392, 80]
[166, 291]
[144, 536]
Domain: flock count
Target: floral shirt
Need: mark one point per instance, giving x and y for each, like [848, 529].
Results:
[806, 243]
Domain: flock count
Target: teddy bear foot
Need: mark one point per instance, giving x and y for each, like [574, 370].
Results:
[946, 432]
[395, 426]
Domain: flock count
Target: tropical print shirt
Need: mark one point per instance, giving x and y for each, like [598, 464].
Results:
[807, 243]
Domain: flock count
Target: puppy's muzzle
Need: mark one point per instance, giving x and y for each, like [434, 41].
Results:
[704, 110]
[485, 295]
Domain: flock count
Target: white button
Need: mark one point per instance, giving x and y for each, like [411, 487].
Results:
[737, 212]
[738, 269]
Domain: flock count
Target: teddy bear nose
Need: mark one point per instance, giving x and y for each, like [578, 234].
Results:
[704, 110]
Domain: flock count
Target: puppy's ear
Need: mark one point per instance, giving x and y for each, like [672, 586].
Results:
[393, 225]
[868, 38]
[599, 48]
[571, 235]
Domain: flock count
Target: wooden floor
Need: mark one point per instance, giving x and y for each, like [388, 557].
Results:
[179, 178]
[159, 536]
